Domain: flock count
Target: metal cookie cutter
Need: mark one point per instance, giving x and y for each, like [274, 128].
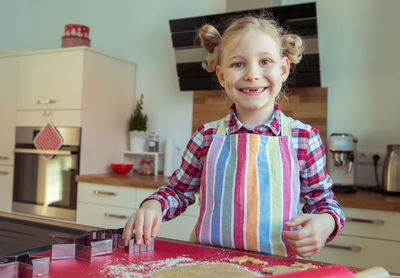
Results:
[118, 241]
[84, 247]
[24, 265]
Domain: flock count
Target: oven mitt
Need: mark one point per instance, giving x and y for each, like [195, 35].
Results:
[48, 139]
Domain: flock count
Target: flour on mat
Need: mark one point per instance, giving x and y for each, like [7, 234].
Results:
[146, 269]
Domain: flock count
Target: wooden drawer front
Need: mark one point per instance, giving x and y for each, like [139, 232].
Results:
[102, 216]
[193, 210]
[179, 228]
[118, 196]
[361, 252]
[372, 223]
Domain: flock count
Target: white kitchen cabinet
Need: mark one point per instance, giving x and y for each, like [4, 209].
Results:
[106, 206]
[51, 80]
[6, 188]
[369, 238]
[8, 90]
[109, 206]
[78, 87]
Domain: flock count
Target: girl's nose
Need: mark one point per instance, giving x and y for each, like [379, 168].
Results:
[252, 74]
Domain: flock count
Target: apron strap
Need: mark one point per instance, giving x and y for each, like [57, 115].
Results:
[285, 125]
[221, 128]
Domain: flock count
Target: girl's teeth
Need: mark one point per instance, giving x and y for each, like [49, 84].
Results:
[253, 91]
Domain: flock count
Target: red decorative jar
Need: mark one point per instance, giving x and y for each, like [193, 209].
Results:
[75, 35]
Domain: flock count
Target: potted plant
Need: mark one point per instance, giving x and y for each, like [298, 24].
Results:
[137, 128]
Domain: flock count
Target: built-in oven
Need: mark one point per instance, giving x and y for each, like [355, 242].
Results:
[46, 187]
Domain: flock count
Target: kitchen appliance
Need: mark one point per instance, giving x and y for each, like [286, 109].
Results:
[391, 170]
[46, 187]
[341, 162]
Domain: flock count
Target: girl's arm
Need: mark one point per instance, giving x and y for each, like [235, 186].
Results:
[323, 217]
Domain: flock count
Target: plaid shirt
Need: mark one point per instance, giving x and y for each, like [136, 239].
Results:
[315, 183]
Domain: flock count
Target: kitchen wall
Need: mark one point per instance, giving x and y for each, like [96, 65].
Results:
[357, 40]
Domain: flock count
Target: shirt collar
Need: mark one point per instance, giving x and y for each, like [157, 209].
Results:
[233, 124]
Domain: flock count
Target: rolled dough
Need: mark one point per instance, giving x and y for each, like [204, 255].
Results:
[204, 270]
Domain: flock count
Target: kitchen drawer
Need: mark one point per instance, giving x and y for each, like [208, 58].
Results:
[6, 187]
[110, 195]
[372, 223]
[193, 210]
[179, 228]
[102, 216]
[66, 118]
[361, 253]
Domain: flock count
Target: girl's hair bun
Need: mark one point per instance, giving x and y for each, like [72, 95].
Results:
[209, 37]
[292, 47]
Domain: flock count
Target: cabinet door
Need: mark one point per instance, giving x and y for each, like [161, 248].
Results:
[8, 88]
[51, 80]
[6, 187]
[361, 252]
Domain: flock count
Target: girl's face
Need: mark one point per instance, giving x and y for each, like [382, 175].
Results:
[252, 72]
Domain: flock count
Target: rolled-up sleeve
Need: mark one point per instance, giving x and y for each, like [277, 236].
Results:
[316, 185]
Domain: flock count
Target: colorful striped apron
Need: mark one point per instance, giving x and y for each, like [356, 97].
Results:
[250, 186]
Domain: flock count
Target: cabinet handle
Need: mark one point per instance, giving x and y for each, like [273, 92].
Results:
[368, 221]
[4, 157]
[344, 247]
[115, 215]
[98, 192]
[3, 173]
[46, 101]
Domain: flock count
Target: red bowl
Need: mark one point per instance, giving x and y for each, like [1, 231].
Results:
[121, 168]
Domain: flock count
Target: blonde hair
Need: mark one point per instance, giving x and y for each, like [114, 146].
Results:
[291, 45]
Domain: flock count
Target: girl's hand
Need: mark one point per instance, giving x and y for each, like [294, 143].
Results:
[309, 239]
[146, 222]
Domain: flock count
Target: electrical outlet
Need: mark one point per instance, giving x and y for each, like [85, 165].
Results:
[365, 157]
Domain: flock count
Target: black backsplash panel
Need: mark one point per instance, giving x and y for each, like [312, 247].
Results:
[299, 19]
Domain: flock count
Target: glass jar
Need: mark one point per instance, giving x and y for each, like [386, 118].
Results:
[153, 142]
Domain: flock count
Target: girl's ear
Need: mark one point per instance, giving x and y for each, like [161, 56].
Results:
[285, 66]
[220, 75]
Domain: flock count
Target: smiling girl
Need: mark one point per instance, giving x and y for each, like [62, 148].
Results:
[252, 166]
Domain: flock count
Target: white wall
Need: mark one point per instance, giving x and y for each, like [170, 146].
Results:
[358, 52]
[10, 24]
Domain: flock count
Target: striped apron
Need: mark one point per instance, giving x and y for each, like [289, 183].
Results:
[250, 186]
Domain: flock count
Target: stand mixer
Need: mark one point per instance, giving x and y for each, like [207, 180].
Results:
[341, 160]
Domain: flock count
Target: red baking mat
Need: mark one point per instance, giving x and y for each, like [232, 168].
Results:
[166, 254]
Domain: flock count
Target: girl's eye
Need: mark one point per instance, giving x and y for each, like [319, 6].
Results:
[238, 65]
[265, 62]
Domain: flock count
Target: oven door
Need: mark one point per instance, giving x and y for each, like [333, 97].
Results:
[46, 187]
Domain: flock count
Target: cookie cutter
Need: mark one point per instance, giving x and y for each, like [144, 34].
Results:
[84, 247]
[132, 246]
[24, 265]
[94, 243]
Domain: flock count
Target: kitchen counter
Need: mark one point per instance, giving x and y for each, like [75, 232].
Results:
[362, 199]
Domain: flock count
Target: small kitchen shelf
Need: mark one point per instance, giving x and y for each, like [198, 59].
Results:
[156, 156]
